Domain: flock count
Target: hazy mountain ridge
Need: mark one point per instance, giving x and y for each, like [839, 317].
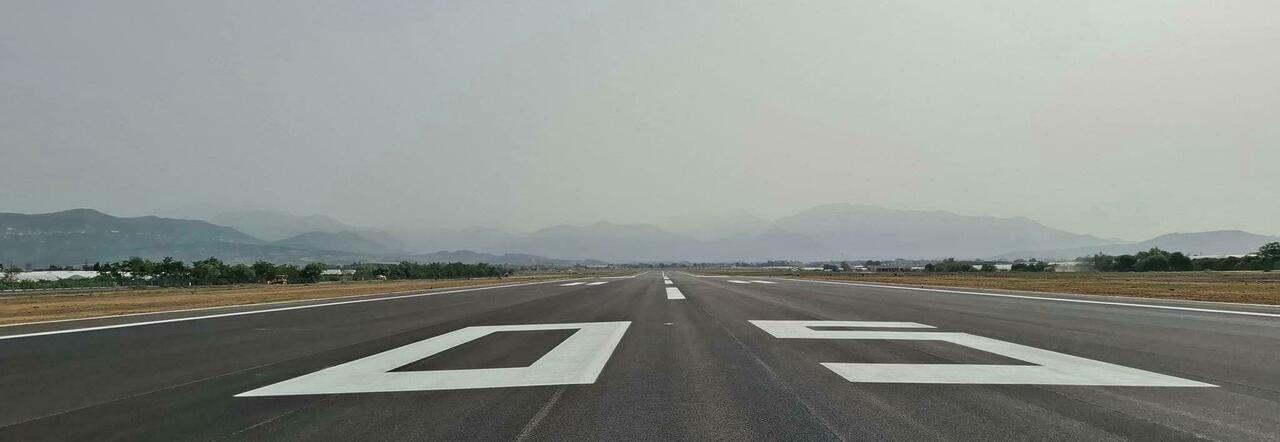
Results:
[79, 236]
[829, 232]
[345, 241]
[270, 225]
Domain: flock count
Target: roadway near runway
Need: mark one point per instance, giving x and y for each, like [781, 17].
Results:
[642, 358]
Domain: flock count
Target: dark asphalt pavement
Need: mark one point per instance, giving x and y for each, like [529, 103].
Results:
[683, 369]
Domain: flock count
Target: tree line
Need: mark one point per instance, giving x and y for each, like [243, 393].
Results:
[1157, 260]
[169, 272]
[951, 265]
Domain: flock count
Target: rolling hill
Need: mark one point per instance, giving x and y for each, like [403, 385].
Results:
[78, 236]
[344, 241]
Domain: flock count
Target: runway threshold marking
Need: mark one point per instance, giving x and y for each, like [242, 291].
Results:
[255, 312]
[674, 293]
[577, 360]
[1042, 298]
[1052, 368]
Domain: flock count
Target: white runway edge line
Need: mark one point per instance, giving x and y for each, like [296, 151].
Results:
[625, 277]
[254, 312]
[1042, 298]
[674, 293]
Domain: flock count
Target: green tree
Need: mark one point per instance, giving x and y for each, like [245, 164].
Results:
[1179, 262]
[1269, 254]
[1123, 263]
[208, 271]
[311, 272]
[264, 270]
[1153, 263]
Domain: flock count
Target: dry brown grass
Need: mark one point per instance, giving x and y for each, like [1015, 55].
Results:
[1246, 287]
[16, 309]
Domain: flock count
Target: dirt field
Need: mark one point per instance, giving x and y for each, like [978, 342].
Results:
[15, 309]
[1247, 287]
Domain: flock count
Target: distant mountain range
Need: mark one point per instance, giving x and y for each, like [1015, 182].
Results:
[79, 236]
[345, 241]
[830, 232]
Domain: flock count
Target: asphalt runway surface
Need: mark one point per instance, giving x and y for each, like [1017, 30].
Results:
[640, 358]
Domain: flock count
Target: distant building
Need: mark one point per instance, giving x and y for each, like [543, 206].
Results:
[338, 274]
[54, 275]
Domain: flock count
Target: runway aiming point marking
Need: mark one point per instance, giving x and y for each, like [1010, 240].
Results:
[577, 360]
[1052, 368]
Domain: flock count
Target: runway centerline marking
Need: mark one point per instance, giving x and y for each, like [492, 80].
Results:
[735, 281]
[1052, 368]
[577, 360]
[598, 283]
[674, 293]
[762, 282]
[572, 284]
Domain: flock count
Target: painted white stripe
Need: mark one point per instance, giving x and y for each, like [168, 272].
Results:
[667, 282]
[1042, 298]
[255, 312]
[572, 284]
[625, 277]
[577, 360]
[762, 282]
[674, 293]
[738, 282]
[1052, 368]
[598, 283]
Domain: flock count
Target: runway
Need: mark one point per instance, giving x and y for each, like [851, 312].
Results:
[643, 358]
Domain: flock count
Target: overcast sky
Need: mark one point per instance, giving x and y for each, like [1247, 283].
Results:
[1116, 118]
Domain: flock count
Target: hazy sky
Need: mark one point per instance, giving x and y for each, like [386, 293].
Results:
[1116, 118]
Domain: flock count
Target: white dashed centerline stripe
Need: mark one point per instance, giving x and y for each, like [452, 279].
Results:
[738, 282]
[762, 282]
[598, 283]
[674, 293]
[572, 284]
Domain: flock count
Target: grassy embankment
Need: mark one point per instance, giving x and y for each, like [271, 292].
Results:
[16, 309]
